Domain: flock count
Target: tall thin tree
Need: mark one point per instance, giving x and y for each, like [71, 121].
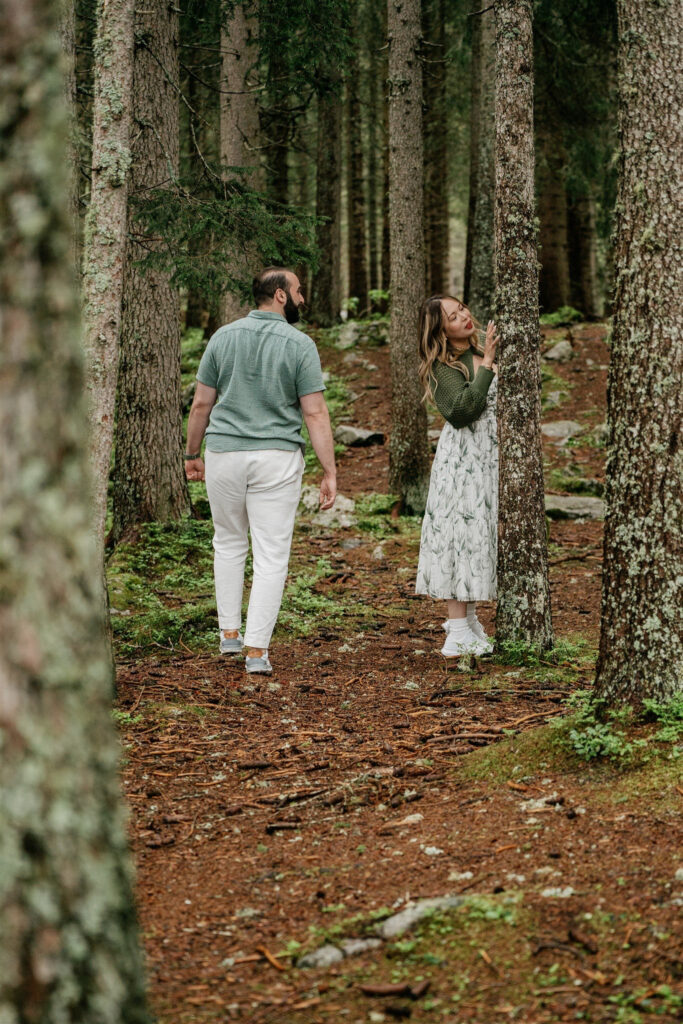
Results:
[69, 935]
[105, 234]
[149, 482]
[435, 146]
[523, 589]
[357, 219]
[641, 640]
[408, 451]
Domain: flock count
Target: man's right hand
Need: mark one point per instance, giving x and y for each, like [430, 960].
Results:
[194, 469]
[328, 491]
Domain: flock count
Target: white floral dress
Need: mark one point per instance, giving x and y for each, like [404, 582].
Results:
[459, 542]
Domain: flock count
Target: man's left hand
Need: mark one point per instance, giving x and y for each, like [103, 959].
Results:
[194, 469]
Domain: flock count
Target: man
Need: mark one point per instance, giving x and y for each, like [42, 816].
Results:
[256, 378]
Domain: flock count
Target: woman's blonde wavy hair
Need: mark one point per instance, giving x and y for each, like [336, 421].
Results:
[433, 344]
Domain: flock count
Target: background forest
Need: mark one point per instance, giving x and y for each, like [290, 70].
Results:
[525, 155]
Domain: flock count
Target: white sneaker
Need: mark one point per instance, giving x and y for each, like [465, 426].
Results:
[476, 630]
[232, 644]
[464, 643]
[258, 666]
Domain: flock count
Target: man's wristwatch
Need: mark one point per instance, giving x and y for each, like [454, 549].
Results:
[198, 455]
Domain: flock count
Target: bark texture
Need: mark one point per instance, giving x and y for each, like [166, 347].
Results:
[552, 213]
[149, 481]
[641, 642]
[408, 451]
[583, 258]
[69, 948]
[358, 261]
[435, 143]
[239, 123]
[325, 298]
[523, 592]
[479, 259]
[105, 235]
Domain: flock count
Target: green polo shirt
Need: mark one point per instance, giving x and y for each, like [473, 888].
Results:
[260, 366]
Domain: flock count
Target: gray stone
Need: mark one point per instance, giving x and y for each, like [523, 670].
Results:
[326, 956]
[574, 506]
[601, 432]
[341, 514]
[553, 399]
[561, 429]
[350, 543]
[356, 437]
[352, 947]
[349, 335]
[378, 553]
[399, 923]
[561, 352]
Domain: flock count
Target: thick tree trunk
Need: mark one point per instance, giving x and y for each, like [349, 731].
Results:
[386, 240]
[69, 935]
[239, 126]
[278, 126]
[358, 263]
[67, 28]
[149, 480]
[408, 451]
[479, 259]
[552, 213]
[325, 298]
[523, 591]
[374, 163]
[435, 142]
[105, 235]
[641, 643]
[583, 260]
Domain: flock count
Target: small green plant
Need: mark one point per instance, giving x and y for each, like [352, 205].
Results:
[562, 317]
[594, 733]
[124, 719]
[669, 714]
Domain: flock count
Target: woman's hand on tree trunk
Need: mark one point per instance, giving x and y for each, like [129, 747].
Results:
[490, 345]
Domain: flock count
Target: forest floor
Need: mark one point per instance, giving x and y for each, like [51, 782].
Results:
[271, 817]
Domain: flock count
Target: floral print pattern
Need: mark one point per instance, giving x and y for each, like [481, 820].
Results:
[459, 544]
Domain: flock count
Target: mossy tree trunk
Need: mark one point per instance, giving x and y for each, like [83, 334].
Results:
[641, 643]
[325, 298]
[583, 256]
[435, 143]
[479, 276]
[69, 935]
[149, 479]
[239, 124]
[523, 590]
[358, 240]
[105, 235]
[408, 451]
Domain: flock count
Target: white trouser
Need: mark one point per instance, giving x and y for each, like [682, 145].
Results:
[257, 491]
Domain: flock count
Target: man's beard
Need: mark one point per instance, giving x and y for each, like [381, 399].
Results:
[291, 311]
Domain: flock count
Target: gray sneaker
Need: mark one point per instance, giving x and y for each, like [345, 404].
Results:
[259, 666]
[232, 645]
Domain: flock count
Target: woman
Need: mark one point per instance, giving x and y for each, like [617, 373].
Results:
[460, 530]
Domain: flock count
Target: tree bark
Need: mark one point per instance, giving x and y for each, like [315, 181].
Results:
[239, 124]
[523, 590]
[583, 260]
[435, 139]
[149, 481]
[386, 239]
[408, 451]
[325, 298]
[105, 236]
[358, 263]
[641, 646]
[373, 161]
[479, 260]
[69, 934]
[67, 28]
[552, 212]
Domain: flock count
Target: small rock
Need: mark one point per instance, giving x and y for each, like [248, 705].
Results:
[561, 429]
[554, 398]
[378, 553]
[341, 514]
[561, 352]
[558, 893]
[349, 335]
[399, 923]
[323, 957]
[356, 437]
[350, 543]
[574, 506]
[678, 877]
[601, 433]
[352, 947]
[432, 851]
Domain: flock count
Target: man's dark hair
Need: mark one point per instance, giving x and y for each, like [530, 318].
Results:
[267, 283]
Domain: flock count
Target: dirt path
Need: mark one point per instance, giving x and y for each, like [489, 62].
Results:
[268, 820]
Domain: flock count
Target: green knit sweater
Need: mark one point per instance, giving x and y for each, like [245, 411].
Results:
[460, 401]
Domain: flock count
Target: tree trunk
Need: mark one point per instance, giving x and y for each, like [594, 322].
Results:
[67, 27]
[149, 480]
[408, 451]
[435, 142]
[479, 278]
[386, 239]
[552, 213]
[358, 263]
[523, 591]
[69, 934]
[239, 126]
[278, 126]
[583, 260]
[641, 645]
[374, 164]
[105, 235]
[325, 298]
